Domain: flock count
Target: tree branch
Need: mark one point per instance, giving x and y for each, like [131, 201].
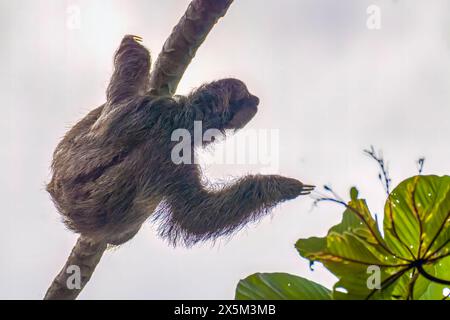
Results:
[182, 44]
[85, 255]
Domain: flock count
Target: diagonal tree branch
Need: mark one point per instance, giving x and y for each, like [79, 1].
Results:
[182, 44]
[85, 255]
[177, 53]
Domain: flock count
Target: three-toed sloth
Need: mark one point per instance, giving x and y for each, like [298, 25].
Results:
[113, 169]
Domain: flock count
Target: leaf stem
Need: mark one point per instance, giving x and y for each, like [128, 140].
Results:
[365, 263]
[431, 277]
[419, 221]
[389, 281]
[415, 275]
[437, 234]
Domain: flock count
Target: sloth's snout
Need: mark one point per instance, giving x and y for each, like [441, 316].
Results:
[254, 100]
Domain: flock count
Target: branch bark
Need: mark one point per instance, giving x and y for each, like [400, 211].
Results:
[177, 53]
[85, 255]
[181, 46]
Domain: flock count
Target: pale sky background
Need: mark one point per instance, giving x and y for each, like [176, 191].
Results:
[329, 84]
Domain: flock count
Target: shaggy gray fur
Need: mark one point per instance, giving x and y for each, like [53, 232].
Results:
[114, 168]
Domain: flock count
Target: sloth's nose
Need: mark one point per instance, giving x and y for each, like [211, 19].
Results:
[254, 100]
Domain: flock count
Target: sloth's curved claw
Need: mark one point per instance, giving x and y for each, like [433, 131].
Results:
[307, 189]
[137, 38]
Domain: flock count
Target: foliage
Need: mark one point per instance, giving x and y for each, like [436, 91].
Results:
[280, 286]
[408, 259]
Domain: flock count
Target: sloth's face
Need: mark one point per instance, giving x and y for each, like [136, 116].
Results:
[242, 108]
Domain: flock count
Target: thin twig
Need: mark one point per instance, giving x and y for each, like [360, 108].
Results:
[420, 164]
[384, 175]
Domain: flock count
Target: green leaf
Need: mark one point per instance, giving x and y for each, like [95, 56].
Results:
[349, 249]
[416, 230]
[411, 260]
[417, 216]
[280, 286]
[354, 194]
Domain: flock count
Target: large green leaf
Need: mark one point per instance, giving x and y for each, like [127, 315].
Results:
[417, 216]
[416, 241]
[417, 226]
[280, 286]
[349, 249]
[411, 260]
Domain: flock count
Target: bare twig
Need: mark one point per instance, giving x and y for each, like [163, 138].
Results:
[420, 164]
[384, 175]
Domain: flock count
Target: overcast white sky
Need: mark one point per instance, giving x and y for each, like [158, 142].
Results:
[331, 86]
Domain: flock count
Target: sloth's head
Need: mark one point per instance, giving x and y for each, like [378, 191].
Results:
[226, 104]
[242, 110]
